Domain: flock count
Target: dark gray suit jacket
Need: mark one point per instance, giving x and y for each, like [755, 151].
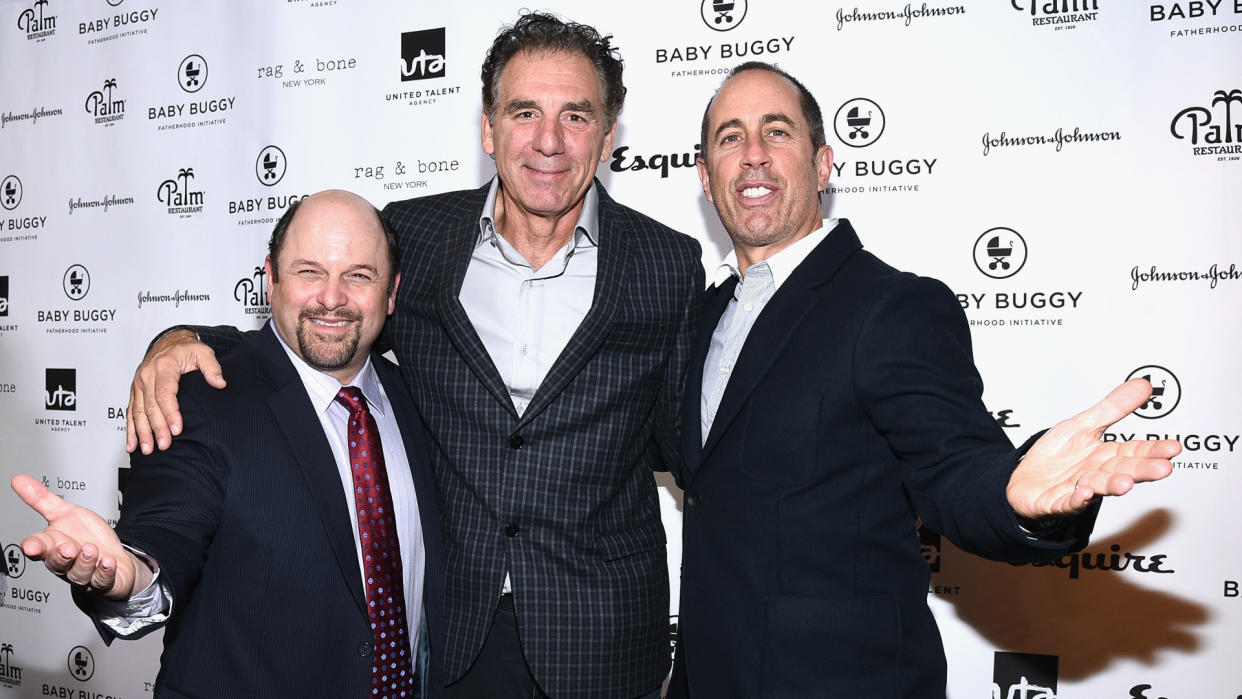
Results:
[563, 498]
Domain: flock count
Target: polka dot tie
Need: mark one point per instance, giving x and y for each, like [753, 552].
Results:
[392, 668]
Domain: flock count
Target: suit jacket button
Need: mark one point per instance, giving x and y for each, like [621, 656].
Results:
[512, 529]
[364, 649]
[692, 499]
[517, 441]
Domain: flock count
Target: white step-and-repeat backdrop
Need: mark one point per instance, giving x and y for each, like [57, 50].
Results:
[1071, 168]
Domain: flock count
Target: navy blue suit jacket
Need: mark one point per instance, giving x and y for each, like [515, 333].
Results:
[854, 405]
[247, 518]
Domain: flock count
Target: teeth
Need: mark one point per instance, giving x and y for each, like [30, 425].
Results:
[337, 324]
[754, 192]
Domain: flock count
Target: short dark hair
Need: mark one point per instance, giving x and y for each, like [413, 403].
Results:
[277, 241]
[810, 108]
[537, 32]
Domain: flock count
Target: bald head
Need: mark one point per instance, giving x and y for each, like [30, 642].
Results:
[341, 206]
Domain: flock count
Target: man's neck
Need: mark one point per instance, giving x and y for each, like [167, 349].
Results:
[748, 256]
[537, 238]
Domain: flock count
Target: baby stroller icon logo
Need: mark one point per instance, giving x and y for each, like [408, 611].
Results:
[1166, 391]
[10, 192]
[269, 167]
[723, 15]
[859, 122]
[1000, 252]
[81, 663]
[14, 561]
[192, 73]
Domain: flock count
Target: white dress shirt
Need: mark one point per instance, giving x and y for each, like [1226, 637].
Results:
[750, 297]
[525, 316]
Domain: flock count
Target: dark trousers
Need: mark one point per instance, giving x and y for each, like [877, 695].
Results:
[500, 671]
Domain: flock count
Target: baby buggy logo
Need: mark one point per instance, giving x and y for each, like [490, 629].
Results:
[1000, 252]
[859, 122]
[1166, 391]
[723, 15]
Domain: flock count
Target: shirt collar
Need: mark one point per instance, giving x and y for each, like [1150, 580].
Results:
[783, 263]
[585, 231]
[322, 388]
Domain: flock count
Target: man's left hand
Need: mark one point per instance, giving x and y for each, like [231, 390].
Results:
[1069, 465]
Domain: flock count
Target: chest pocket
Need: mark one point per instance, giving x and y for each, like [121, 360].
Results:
[780, 442]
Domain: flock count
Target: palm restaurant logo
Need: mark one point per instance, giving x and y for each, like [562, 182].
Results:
[36, 22]
[1214, 130]
[177, 195]
[251, 293]
[103, 106]
[10, 674]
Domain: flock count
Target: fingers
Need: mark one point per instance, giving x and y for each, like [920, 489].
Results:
[39, 498]
[211, 370]
[160, 401]
[136, 417]
[1122, 401]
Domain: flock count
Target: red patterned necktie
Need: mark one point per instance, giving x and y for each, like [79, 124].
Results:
[392, 668]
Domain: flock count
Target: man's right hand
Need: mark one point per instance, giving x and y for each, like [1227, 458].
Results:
[79, 546]
[153, 417]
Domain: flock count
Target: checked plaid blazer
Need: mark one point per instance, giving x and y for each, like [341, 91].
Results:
[563, 498]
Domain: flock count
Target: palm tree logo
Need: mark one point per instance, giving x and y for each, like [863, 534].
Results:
[1229, 99]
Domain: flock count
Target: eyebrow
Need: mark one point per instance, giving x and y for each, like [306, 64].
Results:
[765, 119]
[584, 106]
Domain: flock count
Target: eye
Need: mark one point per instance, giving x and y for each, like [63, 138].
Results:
[731, 138]
[778, 132]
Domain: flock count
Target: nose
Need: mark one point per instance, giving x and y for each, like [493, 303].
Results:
[332, 294]
[549, 137]
[756, 154]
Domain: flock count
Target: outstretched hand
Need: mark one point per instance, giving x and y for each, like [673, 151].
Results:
[79, 546]
[153, 416]
[1069, 465]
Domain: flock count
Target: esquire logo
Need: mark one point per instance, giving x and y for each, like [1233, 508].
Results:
[36, 23]
[106, 108]
[1024, 676]
[1214, 130]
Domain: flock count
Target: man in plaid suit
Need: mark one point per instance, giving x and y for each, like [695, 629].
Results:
[543, 329]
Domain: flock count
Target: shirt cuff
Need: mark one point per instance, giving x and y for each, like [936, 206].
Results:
[149, 607]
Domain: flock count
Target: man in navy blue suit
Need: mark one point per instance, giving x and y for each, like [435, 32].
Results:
[831, 398]
[260, 521]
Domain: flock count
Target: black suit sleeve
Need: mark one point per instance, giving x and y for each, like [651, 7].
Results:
[220, 338]
[174, 499]
[921, 390]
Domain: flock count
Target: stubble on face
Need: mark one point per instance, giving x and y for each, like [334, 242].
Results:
[328, 353]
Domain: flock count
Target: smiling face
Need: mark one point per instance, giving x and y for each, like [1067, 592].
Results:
[330, 293]
[760, 168]
[549, 134]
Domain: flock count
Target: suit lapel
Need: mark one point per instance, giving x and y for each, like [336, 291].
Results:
[772, 330]
[304, 434]
[691, 407]
[612, 272]
[462, 236]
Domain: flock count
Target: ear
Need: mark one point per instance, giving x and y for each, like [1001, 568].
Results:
[267, 271]
[489, 146]
[704, 177]
[605, 151]
[392, 297]
[823, 166]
